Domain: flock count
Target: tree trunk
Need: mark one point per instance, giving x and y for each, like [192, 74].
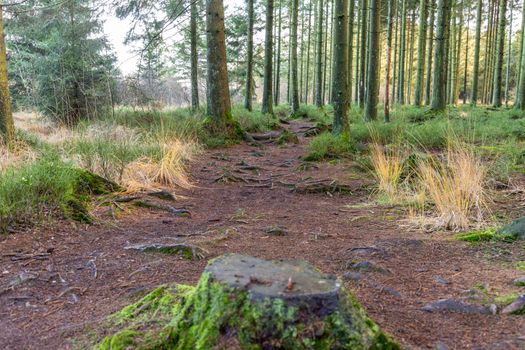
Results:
[362, 69]
[325, 65]
[411, 56]
[277, 94]
[402, 44]
[421, 51]
[430, 53]
[307, 81]
[219, 105]
[267, 103]
[465, 68]
[440, 52]
[249, 69]
[509, 54]
[388, 60]
[340, 59]
[498, 70]
[475, 70]
[194, 57]
[7, 127]
[293, 34]
[520, 98]
[372, 86]
[350, 48]
[319, 78]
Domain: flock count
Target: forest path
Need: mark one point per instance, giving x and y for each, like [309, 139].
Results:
[252, 200]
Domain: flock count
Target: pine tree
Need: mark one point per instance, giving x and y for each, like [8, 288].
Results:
[440, 52]
[7, 127]
[475, 70]
[194, 57]
[402, 53]
[278, 60]
[520, 98]
[340, 59]
[372, 86]
[430, 53]
[219, 105]
[293, 38]
[388, 60]
[319, 72]
[498, 69]
[267, 104]
[421, 51]
[350, 47]
[249, 64]
[363, 44]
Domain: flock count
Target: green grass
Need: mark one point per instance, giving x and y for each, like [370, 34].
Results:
[47, 187]
[328, 146]
[484, 236]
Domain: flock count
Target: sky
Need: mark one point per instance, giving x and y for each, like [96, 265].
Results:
[116, 30]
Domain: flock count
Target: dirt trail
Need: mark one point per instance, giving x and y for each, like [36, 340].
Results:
[78, 274]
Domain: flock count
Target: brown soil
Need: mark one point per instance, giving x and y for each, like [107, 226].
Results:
[82, 273]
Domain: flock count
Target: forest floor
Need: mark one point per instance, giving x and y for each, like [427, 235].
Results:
[71, 276]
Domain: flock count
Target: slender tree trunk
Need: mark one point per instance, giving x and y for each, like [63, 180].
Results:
[307, 85]
[267, 104]
[278, 63]
[293, 34]
[350, 48]
[440, 52]
[465, 67]
[357, 53]
[388, 60]
[475, 70]
[219, 105]
[372, 87]
[194, 57]
[325, 64]
[362, 70]
[498, 71]
[332, 49]
[520, 98]
[249, 69]
[319, 78]
[395, 53]
[402, 45]
[522, 46]
[340, 57]
[301, 59]
[430, 53]
[421, 51]
[411, 56]
[509, 54]
[7, 126]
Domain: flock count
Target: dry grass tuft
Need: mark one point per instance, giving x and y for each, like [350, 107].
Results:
[455, 184]
[387, 166]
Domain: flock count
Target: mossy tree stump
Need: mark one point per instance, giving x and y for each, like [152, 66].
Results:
[243, 302]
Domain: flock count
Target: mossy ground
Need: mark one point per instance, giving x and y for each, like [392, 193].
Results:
[206, 316]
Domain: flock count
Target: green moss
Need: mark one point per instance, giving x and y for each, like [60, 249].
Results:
[211, 314]
[287, 137]
[484, 236]
[520, 265]
[504, 300]
[225, 133]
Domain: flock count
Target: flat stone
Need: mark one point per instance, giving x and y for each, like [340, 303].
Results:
[352, 276]
[164, 195]
[276, 231]
[450, 305]
[515, 228]
[517, 307]
[519, 282]
[441, 280]
[295, 282]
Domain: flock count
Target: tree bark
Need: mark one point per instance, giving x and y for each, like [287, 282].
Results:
[498, 70]
[388, 60]
[249, 69]
[372, 86]
[362, 70]
[277, 93]
[475, 70]
[430, 53]
[194, 57]
[402, 53]
[319, 78]
[7, 126]
[440, 52]
[350, 47]
[340, 59]
[219, 105]
[421, 51]
[267, 103]
[293, 34]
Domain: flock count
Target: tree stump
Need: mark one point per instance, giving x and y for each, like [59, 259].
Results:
[243, 302]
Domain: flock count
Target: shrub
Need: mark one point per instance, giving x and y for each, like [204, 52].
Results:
[328, 146]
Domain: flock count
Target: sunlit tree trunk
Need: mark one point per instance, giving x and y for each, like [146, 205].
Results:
[7, 127]
[278, 63]
[194, 57]
[520, 98]
[465, 67]
[388, 60]
[249, 69]
[340, 58]
[350, 48]
[402, 53]
[363, 67]
[319, 78]
[498, 70]
[522, 51]
[475, 69]
[421, 51]
[509, 54]
[308, 58]
[372, 86]
[293, 34]
[267, 103]
[219, 105]
[430, 53]
[411, 56]
[440, 55]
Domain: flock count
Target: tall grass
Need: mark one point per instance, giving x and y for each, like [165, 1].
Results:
[387, 164]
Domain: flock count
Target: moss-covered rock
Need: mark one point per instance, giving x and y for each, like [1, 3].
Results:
[515, 229]
[249, 311]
